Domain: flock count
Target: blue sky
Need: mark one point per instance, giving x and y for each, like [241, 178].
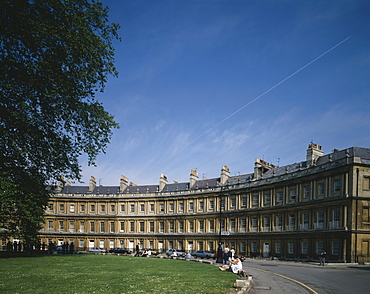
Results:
[191, 93]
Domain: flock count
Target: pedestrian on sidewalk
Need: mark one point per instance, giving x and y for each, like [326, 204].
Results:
[322, 258]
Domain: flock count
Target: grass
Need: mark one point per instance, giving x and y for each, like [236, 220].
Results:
[83, 273]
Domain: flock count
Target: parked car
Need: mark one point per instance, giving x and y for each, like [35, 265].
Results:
[120, 250]
[179, 253]
[203, 254]
[96, 250]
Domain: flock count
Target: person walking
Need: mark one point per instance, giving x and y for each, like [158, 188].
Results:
[137, 250]
[226, 254]
[322, 258]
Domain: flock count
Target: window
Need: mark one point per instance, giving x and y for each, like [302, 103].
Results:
[112, 208]
[161, 207]
[141, 225]
[277, 247]
[82, 226]
[222, 224]
[132, 226]
[51, 206]
[278, 222]
[254, 224]
[321, 189]
[244, 201]
[335, 248]
[334, 224]
[266, 223]
[82, 243]
[290, 247]
[211, 204]
[171, 206]
[255, 200]
[151, 207]
[243, 225]
[61, 225]
[337, 185]
[122, 226]
[304, 247]
[291, 225]
[92, 227]
[306, 191]
[242, 247]
[191, 226]
[151, 227]
[181, 206]
[102, 208]
[112, 227]
[267, 199]
[222, 203]
[201, 206]
[201, 226]
[191, 206]
[71, 226]
[71, 208]
[211, 225]
[92, 208]
[292, 193]
[305, 221]
[142, 208]
[172, 226]
[319, 247]
[181, 226]
[210, 246]
[123, 208]
[233, 203]
[232, 225]
[102, 227]
[254, 247]
[82, 207]
[279, 196]
[50, 225]
[161, 227]
[132, 208]
[61, 207]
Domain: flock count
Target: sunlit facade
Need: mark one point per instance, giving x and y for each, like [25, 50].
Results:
[292, 212]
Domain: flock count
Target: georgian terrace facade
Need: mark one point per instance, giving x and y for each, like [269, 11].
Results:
[293, 212]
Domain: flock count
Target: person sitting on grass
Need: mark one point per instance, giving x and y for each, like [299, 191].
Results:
[235, 266]
[174, 254]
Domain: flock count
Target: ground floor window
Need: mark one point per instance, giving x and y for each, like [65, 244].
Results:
[335, 248]
[304, 247]
[254, 247]
[278, 247]
[290, 247]
[319, 247]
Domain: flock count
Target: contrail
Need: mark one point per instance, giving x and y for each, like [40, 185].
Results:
[269, 90]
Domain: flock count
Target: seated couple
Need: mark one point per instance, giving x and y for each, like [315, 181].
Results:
[235, 266]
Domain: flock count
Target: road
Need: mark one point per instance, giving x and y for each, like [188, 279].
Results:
[293, 277]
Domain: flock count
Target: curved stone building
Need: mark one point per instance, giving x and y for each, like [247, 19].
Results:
[293, 212]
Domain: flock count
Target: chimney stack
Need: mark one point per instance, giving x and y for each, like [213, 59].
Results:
[162, 182]
[92, 184]
[225, 174]
[260, 167]
[123, 184]
[314, 151]
[193, 178]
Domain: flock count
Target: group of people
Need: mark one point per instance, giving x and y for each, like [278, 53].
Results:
[146, 252]
[231, 262]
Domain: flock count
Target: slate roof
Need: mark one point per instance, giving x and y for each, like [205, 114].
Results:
[363, 153]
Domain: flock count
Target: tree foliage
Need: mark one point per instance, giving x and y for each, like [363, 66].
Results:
[54, 56]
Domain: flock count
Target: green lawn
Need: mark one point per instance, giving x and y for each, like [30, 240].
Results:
[83, 273]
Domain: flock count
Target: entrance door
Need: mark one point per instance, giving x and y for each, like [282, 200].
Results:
[266, 250]
[190, 246]
[91, 243]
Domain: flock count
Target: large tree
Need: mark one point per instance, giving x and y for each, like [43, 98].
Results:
[54, 56]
